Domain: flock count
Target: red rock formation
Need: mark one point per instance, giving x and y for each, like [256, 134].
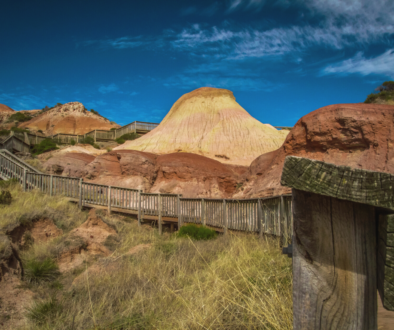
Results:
[68, 164]
[356, 135]
[69, 118]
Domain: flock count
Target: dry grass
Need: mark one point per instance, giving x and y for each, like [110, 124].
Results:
[36, 163]
[28, 206]
[233, 282]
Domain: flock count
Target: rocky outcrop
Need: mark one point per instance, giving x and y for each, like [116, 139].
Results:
[69, 118]
[68, 164]
[209, 122]
[356, 135]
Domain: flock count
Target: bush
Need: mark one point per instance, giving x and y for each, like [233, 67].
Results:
[72, 142]
[88, 140]
[125, 137]
[41, 271]
[5, 197]
[4, 132]
[95, 112]
[113, 128]
[197, 233]
[40, 131]
[19, 130]
[371, 98]
[96, 146]
[44, 146]
[43, 312]
[19, 117]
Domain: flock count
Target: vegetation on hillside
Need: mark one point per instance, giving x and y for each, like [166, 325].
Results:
[237, 281]
[90, 140]
[44, 146]
[385, 94]
[128, 136]
[19, 117]
[196, 232]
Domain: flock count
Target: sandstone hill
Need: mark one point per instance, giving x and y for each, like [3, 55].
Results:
[356, 135]
[69, 118]
[209, 122]
[5, 113]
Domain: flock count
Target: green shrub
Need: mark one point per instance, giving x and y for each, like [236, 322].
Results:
[5, 197]
[19, 130]
[125, 137]
[95, 112]
[40, 131]
[4, 132]
[44, 146]
[371, 98]
[19, 117]
[88, 140]
[44, 312]
[197, 233]
[113, 128]
[72, 142]
[95, 145]
[41, 271]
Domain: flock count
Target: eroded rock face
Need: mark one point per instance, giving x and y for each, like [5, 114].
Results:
[209, 122]
[356, 135]
[68, 164]
[69, 118]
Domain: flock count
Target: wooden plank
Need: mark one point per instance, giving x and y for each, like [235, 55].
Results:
[334, 264]
[386, 260]
[361, 186]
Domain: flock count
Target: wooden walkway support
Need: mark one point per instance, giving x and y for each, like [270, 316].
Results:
[335, 268]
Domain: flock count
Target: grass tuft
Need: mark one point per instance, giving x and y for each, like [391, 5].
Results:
[195, 232]
[44, 311]
[37, 271]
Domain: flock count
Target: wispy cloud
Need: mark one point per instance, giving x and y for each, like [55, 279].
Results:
[382, 65]
[108, 89]
[234, 5]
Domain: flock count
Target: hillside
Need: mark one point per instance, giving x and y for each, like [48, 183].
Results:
[209, 122]
[69, 118]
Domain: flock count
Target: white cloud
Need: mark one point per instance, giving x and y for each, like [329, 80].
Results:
[382, 65]
[109, 88]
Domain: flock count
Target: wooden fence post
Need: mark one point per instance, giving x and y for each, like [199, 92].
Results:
[109, 200]
[260, 218]
[225, 217]
[179, 212]
[160, 222]
[51, 186]
[24, 179]
[204, 219]
[139, 207]
[284, 237]
[80, 194]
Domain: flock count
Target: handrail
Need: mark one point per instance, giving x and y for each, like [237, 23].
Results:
[270, 215]
[19, 161]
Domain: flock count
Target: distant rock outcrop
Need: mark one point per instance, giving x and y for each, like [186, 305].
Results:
[69, 118]
[209, 122]
[356, 135]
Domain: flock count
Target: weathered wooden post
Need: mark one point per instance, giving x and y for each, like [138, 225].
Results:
[95, 136]
[179, 212]
[139, 207]
[203, 217]
[260, 218]
[24, 179]
[109, 200]
[51, 186]
[160, 222]
[335, 243]
[80, 194]
[225, 224]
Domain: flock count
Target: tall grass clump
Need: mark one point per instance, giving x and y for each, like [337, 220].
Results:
[232, 282]
[44, 311]
[196, 232]
[37, 271]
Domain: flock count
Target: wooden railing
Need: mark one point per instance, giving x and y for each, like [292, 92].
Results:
[261, 215]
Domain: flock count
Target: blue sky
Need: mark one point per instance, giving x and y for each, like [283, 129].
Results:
[131, 60]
